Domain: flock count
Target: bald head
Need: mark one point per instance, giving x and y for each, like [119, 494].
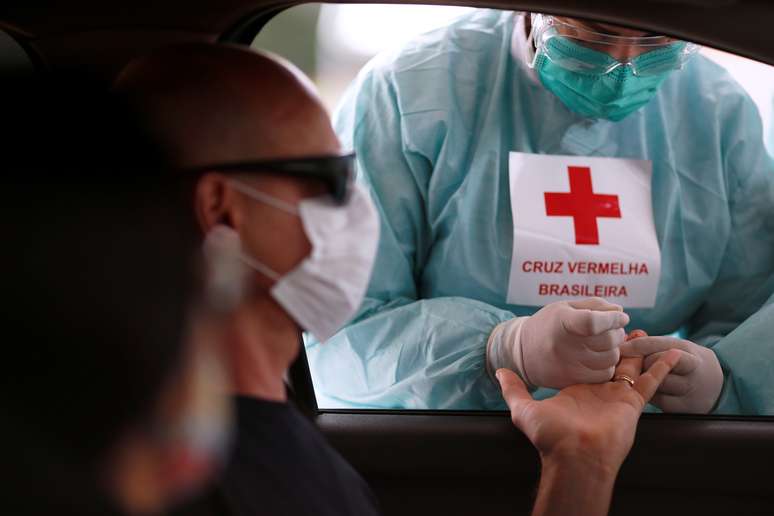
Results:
[210, 103]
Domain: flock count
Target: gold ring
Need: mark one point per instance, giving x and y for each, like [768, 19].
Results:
[625, 378]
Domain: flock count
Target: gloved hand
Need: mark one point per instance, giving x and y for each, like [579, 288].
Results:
[563, 344]
[693, 386]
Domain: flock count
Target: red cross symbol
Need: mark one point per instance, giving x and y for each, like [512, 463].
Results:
[583, 205]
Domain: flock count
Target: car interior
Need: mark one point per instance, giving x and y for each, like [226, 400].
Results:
[450, 461]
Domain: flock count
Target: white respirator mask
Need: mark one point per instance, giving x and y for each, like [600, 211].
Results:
[326, 289]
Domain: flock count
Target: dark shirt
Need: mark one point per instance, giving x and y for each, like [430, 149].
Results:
[282, 465]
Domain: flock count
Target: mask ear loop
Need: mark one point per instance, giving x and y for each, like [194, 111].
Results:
[269, 200]
[228, 268]
[265, 198]
[263, 269]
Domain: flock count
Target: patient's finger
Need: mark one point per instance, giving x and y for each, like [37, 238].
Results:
[631, 367]
[515, 394]
[686, 365]
[647, 384]
[645, 346]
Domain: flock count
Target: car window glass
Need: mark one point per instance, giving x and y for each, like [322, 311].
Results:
[515, 177]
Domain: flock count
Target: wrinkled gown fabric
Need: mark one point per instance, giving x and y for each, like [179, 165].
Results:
[433, 124]
[749, 376]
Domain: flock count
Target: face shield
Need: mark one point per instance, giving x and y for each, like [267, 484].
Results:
[602, 76]
[559, 40]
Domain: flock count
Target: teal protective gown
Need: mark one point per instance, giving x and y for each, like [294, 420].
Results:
[433, 125]
[749, 375]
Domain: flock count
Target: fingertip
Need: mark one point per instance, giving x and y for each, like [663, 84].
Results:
[506, 377]
[618, 321]
[672, 357]
[600, 322]
[636, 334]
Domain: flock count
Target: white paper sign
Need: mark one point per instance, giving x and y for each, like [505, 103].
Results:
[583, 227]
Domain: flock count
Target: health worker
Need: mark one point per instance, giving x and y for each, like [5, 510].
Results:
[486, 141]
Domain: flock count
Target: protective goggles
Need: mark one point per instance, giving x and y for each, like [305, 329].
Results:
[336, 172]
[567, 44]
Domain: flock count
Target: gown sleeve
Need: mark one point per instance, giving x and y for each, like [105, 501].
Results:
[735, 321]
[745, 356]
[742, 284]
[401, 351]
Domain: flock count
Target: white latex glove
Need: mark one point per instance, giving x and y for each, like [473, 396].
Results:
[693, 386]
[563, 344]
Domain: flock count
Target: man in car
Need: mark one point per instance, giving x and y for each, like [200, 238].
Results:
[271, 192]
[270, 187]
[520, 161]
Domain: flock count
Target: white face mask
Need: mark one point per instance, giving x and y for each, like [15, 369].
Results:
[326, 289]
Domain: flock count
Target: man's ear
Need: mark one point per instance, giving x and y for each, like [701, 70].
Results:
[212, 201]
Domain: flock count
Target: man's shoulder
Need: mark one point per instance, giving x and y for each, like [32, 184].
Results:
[276, 447]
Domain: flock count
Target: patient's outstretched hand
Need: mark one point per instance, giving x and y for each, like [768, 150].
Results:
[590, 423]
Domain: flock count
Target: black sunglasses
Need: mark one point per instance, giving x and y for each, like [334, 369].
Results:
[337, 172]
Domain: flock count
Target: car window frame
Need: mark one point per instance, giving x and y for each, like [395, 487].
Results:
[25, 43]
[300, 378]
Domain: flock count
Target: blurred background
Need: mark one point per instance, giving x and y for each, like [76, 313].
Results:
[331, 42]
